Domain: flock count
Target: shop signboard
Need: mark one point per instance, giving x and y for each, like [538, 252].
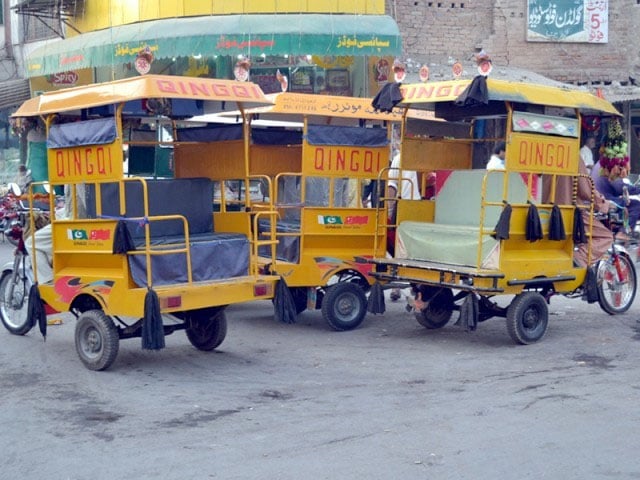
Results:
[579, 21]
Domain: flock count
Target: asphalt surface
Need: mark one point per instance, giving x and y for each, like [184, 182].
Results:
[386, 401]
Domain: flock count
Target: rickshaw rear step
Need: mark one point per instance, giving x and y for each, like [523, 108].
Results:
[458, 285]
[532, 282]
[435, 266]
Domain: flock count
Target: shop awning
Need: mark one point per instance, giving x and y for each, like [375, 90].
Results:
[620, 93]
[249, 35]
[14, 92]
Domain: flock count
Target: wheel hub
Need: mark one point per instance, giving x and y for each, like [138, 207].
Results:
[18, 299]
[93, 341]
[530, 319]
[345, 306]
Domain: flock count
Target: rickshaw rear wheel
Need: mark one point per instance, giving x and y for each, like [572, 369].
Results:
[439, 307]
[207, 328]
[344, 306]
[14, 306]
[97, 340]
[616, 296]
[527, 318]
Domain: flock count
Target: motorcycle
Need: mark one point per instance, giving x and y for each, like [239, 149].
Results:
[16, 281]
[15, 215]
[16, 276]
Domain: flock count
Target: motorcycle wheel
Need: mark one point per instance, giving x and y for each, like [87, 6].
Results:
[616, 293]
[14, 302]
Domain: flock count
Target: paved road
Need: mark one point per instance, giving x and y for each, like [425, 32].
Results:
[388, 400]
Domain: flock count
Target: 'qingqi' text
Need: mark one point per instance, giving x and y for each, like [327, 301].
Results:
[346, 160]
[84, 162]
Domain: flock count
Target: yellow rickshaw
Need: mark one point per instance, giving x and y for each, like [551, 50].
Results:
[488, 233]
[134, 256]
[312, 157]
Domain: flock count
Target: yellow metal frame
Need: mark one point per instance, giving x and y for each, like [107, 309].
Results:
[521, 263]
[89, 268]
[326, 251]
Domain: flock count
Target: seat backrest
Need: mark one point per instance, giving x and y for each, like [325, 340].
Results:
[189, 197]
[459, 200]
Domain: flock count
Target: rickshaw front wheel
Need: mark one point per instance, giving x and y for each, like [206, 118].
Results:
[616, 285]
[439, 307]
[97, 340]
[207, 328]
[344, 306]
[527, 318]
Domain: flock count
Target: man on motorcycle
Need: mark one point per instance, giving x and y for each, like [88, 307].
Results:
[43, 236]
[601, 236]
[610, 183]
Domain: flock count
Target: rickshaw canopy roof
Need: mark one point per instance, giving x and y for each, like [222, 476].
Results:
[420, 95]
[240, 94]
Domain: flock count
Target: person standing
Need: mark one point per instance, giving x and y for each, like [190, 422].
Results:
[496, 162]
[409, 189]
[586, 152]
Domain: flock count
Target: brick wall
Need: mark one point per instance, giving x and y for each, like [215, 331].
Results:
[439, 32]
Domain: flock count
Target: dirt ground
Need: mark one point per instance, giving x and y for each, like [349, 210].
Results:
[388, 400]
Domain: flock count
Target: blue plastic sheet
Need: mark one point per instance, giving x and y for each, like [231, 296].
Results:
[100, 131]
[356, 136]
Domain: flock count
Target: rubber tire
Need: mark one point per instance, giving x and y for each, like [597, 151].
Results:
[604, 290]
[25, 324]
[439, 310]
[525, 308]
[97, 340]
[344, 306]
[207, 328]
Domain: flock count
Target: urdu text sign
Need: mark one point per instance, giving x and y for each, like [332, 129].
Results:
[584, 21]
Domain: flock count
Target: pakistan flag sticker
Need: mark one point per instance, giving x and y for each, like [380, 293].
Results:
[329, 220]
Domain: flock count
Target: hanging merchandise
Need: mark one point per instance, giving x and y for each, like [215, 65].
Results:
[614, 149]
[484, 63]
[282, 79]
[457, 69]
[399, 71]
[423, 73]
[591, 123]
[143, 61]
[241, 69]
